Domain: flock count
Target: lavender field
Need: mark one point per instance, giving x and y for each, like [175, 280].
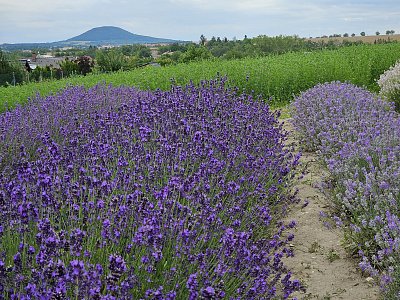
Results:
[119, 193]
[358, 137]
[115, 193]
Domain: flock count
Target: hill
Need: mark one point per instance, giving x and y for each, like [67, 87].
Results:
[98, 36]
[116, 35]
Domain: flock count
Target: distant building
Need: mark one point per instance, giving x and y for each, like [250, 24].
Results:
[38, 60]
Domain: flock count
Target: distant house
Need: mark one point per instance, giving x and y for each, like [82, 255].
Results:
[38, 60]
[29, 66]
[48, 60]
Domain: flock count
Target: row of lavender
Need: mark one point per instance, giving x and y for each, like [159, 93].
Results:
[115, 193]
[358, 136]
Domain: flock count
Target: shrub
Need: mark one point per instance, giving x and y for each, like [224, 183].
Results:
[389, 83]
[358, 136]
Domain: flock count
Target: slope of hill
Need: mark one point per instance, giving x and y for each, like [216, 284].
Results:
[105, 35]
[115, 35]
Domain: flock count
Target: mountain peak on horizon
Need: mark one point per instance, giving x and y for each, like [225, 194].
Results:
[113, 34]
[97, 36]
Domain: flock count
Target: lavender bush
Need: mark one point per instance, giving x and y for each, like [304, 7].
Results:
[389, 84]
[358, 135]
[115, 193]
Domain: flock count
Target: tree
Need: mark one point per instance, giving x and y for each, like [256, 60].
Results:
[85, 64]
[144, 52]
[195, 53]
[353, 34]
[110, 60]
[377, 33]
[345, 34]
[68, 67]
[362, 33]
[212, 42]
[203, 40]
[11, 71]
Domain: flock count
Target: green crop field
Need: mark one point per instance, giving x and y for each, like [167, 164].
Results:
[277, 78]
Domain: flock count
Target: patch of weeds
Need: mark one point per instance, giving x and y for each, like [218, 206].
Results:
[326, 296]
[314, 247]
[332, 255]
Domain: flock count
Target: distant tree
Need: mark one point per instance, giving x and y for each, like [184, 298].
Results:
[345, 34]
[11, 70]
[85, 64]
[392, 31]
[110, 60]
[164, 60]
[353, 34]
[203, 40]
[176, 56]
[42, 73]
[377, 33]
[172, 48]
[195, 53]
[4, 63]
[212, 42]
[68, 67]
[144, 52]
[362, 33]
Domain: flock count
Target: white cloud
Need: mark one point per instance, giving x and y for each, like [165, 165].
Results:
[233, 5]
[50, 20]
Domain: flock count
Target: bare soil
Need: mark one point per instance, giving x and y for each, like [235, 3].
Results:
[320, 261]
[368, 39]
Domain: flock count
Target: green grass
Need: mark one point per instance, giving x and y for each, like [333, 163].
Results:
[277, 78]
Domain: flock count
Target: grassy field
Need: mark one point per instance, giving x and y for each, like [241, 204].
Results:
[277, 78]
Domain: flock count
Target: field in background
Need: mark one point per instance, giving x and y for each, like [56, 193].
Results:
[368, 39]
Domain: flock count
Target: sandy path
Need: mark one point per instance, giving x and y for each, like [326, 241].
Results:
[320, 261]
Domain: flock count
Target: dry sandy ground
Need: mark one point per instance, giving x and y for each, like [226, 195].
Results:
[320, 261]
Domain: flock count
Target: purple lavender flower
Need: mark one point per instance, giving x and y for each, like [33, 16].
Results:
[358, 136]
[124, 194]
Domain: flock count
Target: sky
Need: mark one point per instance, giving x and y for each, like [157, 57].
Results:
[56, 20]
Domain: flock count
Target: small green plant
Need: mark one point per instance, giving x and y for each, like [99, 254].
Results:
[314, 247]
[332, 255]
[326, 297]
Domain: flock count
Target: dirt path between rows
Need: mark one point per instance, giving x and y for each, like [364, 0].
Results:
[320, 261]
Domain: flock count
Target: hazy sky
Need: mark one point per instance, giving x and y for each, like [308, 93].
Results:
[55, 20]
